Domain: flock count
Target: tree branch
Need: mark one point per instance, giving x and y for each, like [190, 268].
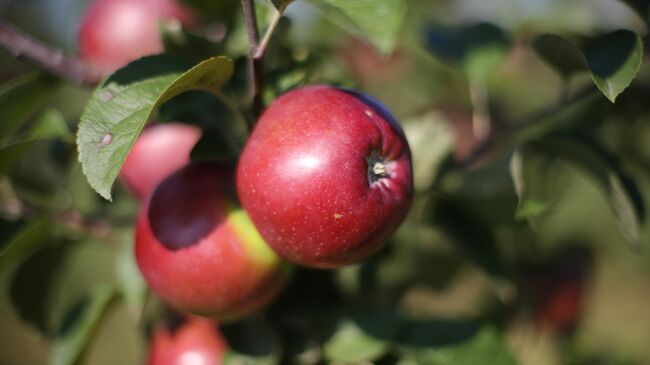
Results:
[255, 68]
[23, 46]
[511, 129]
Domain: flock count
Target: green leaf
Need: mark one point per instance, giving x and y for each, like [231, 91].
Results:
[642, 7]
[621, 192]
[355, 340]
[21, 98]
[614, 60]
[534, 177]
[478, 49]
[378, 21]
[34, 287]
[22, 244]
[561, 54]
[486, 346]
[77, 333]
[473, 236]
[119, 109]
[131, 284]
[50, 125]
[251, 342]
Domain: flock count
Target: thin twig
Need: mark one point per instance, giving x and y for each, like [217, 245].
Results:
[511, 129]
[261, 48]
[254, 64]
[53, 60]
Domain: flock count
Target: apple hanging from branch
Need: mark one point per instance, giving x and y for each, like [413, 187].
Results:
[326, 176]
[200, 252]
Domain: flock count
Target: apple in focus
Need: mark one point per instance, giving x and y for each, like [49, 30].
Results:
[326, 176]
[160, 150]
[200, 252]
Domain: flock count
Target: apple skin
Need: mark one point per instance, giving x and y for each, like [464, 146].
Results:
[160, 150]
[306, 179]
[200, 252]
[116, 32]
[196, 341]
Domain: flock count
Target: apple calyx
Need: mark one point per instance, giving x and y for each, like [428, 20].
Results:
[376, 169]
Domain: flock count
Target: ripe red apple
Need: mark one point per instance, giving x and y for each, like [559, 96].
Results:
[160, 150]
[116, 32]
[199, 251]
[326, 176]
[197, 341]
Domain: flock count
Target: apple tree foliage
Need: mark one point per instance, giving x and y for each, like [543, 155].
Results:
[501, 157]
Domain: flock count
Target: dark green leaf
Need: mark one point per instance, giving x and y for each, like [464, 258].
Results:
[77, 333]
[251, 342]
[34, 287]
[21, 98]
[22, 244]
[621, 192]
[564, 56]
[534, 177]
[474, 237]
[131, 284]
[478, 49]
[119, 109]
[614, 60]
[378, 21]
[485, 346]
[362, 337]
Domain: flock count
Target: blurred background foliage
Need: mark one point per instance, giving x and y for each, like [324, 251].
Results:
[526, 242]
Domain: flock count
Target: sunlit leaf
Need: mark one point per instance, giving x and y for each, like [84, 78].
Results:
[378, 21]
[614, 60]
[119, 109]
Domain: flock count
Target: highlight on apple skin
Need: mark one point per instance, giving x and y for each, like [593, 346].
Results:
[116, 32]
[161, 149]
[200, 252]
[326, 176]
[195, 341]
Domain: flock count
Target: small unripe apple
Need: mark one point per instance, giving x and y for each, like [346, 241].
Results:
[160, 150]
[326, 176]
[196, 341]
[199, 251]
[116, 32]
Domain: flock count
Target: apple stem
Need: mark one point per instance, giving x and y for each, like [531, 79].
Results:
[23, 46]
[255, 64]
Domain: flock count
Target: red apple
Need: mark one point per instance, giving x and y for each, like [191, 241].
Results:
[160, 150]
[199, 251]
[558, 287]
[197, 341]
[116, 32]
[326, 176]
